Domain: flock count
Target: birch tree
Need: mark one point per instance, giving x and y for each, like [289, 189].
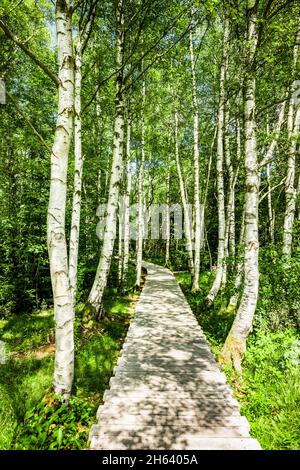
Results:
[83, 36]
[168, 234]
[140, 234]
[293, 124]
[197, 241]
[56, 236]
[220, 177]
[235, 344]
[96, 294]
[127, 203]
[187, 224]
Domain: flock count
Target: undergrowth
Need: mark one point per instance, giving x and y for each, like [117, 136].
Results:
[269, 387]
[31, 416]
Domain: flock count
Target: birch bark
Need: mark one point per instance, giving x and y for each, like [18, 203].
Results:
[235, 344]
[167, 234]
[78, 169]
[220, 177]
[139, 251]
[78, 156]
[56, 236]
[96, 294]
[127, 204]
[187, 224]
[197, 243]
[290, 189]
[239, 272]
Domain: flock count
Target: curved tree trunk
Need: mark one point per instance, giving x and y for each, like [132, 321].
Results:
[56, 236]
[235, 344]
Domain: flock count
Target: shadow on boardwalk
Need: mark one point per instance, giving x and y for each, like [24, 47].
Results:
[168, 391]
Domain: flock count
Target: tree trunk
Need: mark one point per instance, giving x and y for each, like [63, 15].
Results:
[121, 232]
[231, 191]
[78, 169]
[187, 224]
[239, 271]
[96, 294]
[167, 234]
[197, 244]
[271, 213]
[139, 251]
[290, 189]
[56, 236]
[220, 177]
[127, 205]
[235, 344]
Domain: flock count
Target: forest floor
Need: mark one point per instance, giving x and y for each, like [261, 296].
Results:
[30, 416]
[269, 387]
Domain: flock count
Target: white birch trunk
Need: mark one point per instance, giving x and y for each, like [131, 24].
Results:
[239, 272]
[56, 236]
[266, 161]
[187, 224]
[78, 169]
[290, 189]
[121, 231]
[127, 206]
[231, 189]
[271, 213]
[197, 241]
[235, 344]
[220, 177]
[167, 234]
[139, 250]
[96, 294]
[78, 157]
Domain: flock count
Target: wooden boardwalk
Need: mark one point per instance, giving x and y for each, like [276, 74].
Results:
[168, 391]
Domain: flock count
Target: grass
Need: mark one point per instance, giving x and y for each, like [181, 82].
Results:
[269, 387]
[26, 405]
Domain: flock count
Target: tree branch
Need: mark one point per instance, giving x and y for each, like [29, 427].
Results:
[272, 189]
[27, 120]
[29, 53]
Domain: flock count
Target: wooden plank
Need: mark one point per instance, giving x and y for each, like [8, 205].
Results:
[168, 391]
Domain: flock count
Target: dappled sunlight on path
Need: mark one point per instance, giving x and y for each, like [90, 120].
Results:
[168, 391]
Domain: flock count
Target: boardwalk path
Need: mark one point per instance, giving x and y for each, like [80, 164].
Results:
[168, 391]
